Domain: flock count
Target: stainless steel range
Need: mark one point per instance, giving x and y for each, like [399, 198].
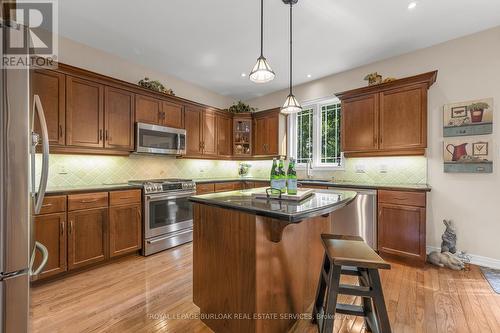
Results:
[168, 214]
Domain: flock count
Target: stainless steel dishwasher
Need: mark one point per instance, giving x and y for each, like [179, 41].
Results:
[359, 218]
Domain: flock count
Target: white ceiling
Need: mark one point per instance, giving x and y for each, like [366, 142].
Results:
[211, 42]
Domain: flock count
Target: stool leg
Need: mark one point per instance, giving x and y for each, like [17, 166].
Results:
[320, 291]
[378, 299]
[331, 299]
[370, 318]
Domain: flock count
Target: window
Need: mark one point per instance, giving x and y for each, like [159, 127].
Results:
[315, 135]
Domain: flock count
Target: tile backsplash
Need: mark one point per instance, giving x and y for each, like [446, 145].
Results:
[75, 170]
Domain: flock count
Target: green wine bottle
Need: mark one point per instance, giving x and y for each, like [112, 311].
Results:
[274, 175]
[282, 177]
[291, 178]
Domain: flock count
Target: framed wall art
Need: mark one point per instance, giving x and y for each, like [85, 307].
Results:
[468, 118]
[468, 155]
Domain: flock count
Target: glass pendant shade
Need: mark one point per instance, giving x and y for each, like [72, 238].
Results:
[291, 105]
[262, 72]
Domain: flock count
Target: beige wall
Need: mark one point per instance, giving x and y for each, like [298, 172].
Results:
[83, 56]
[469, 68]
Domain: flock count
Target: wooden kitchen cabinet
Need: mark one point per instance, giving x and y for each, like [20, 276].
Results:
[387, 119]
[50, 86]
[224, 134]
[148, 110]
[401, 225]
[201, 132]
[269, 129]
[125, 232]
[227, 186]
[209, 133]
[50, 230]
[173, 114]
[205, 188]
[119, 119]
[87, 237]
[84, 113]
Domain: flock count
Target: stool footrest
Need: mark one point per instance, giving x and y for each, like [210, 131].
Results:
[350, 309]
[348, 289]
[350, 270]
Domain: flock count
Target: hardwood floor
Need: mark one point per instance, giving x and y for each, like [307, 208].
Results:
[154, 294]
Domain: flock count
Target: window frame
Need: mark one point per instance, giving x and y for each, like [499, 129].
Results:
[316, 148]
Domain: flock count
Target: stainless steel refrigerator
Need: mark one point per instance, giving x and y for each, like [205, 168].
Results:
[20, 197]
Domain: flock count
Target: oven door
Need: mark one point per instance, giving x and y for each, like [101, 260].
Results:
[165, 213]
[154, 139]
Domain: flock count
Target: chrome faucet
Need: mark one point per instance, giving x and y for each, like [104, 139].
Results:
[309, 168]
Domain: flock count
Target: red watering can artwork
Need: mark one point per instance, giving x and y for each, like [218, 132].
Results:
[457, 152]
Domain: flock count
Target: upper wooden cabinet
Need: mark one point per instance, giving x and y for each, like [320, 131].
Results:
[201, 128]
[224, 135]
[209, 135]
[119, 119]
[269, 129]
[173, 114]
[387, 119]
[50, 86]
[148, 110]
[84, 113]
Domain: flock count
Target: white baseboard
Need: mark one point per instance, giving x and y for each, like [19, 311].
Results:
[474, 259]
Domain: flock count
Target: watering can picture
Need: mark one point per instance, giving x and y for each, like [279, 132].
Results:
[457, 151]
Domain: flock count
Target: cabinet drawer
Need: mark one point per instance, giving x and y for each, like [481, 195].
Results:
[87, 201]
[205, 188]
[402, 198]
[124, 197]
[56, 204]
[261, 184]
[223, 187]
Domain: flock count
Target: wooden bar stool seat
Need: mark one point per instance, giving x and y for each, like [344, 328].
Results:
[350, 255]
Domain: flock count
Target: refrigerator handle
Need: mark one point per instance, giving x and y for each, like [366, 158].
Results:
[37, 105]
[45, 257]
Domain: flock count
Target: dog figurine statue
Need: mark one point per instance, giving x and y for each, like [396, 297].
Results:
[445, 259]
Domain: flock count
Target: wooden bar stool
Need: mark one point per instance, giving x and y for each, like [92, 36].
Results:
[350, 255]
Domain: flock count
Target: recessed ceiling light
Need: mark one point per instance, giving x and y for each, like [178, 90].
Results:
[309, 75]
[243, 74]
[412, 5]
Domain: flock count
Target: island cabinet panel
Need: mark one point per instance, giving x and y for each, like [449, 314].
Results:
[50, 230]
[125, 235]
[403, 118]
[50, 86]
[401, 225]
[87, 237]
[224, 135]
[119, 119]
[173, 114]
[148, 110]
[248, 272]
[360, 123]
[193, 122]
[84, 113]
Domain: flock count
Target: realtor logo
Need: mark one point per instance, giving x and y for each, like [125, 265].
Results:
[31, 38]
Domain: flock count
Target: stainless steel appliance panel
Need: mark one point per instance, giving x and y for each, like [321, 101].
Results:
[359, 218]
[154, 139]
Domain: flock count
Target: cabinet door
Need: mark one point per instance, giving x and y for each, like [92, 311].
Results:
[360, 123]
[125, 233]
[50, 87]
[401, 231]
[147, 110]
[172, 114]
[272, 138]
[192, 118]
[87, 238]
[224, 136]
[403, 118]
[119, 119]
[84, 113]
[50, 230]
[209, 133]
[260, 136]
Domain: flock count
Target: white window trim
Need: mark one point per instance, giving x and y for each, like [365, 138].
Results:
[292, 139]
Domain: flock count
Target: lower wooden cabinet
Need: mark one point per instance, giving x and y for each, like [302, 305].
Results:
[401, 225]
[50, 230]
[87, 241]
[125, 234]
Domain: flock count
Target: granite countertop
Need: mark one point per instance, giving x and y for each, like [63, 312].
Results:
[90, 188]
[322, 202]
[225, 180]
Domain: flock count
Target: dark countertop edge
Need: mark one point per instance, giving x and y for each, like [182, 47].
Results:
[295, 218]
[88, 189]
[228, 180]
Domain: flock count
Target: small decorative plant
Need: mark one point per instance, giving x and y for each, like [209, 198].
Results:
[155, 86]
[373, 78]
[241, 107]
[477, 110]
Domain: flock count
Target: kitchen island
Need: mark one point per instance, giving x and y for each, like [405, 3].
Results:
[256, 261]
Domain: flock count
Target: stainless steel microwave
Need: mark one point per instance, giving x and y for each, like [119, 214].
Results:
[154, 139]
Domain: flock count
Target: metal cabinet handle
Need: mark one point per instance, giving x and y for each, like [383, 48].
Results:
[60, 131]
[62, 227]
[100, 134]
[47, 205]
[88, 201]
[70, 231]
[106, 135]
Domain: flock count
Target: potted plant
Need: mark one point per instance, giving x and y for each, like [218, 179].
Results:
[373, 78]
[241, 107]
[477, 110]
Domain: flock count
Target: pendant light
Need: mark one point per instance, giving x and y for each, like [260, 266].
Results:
[262, 72]
[291, 104]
